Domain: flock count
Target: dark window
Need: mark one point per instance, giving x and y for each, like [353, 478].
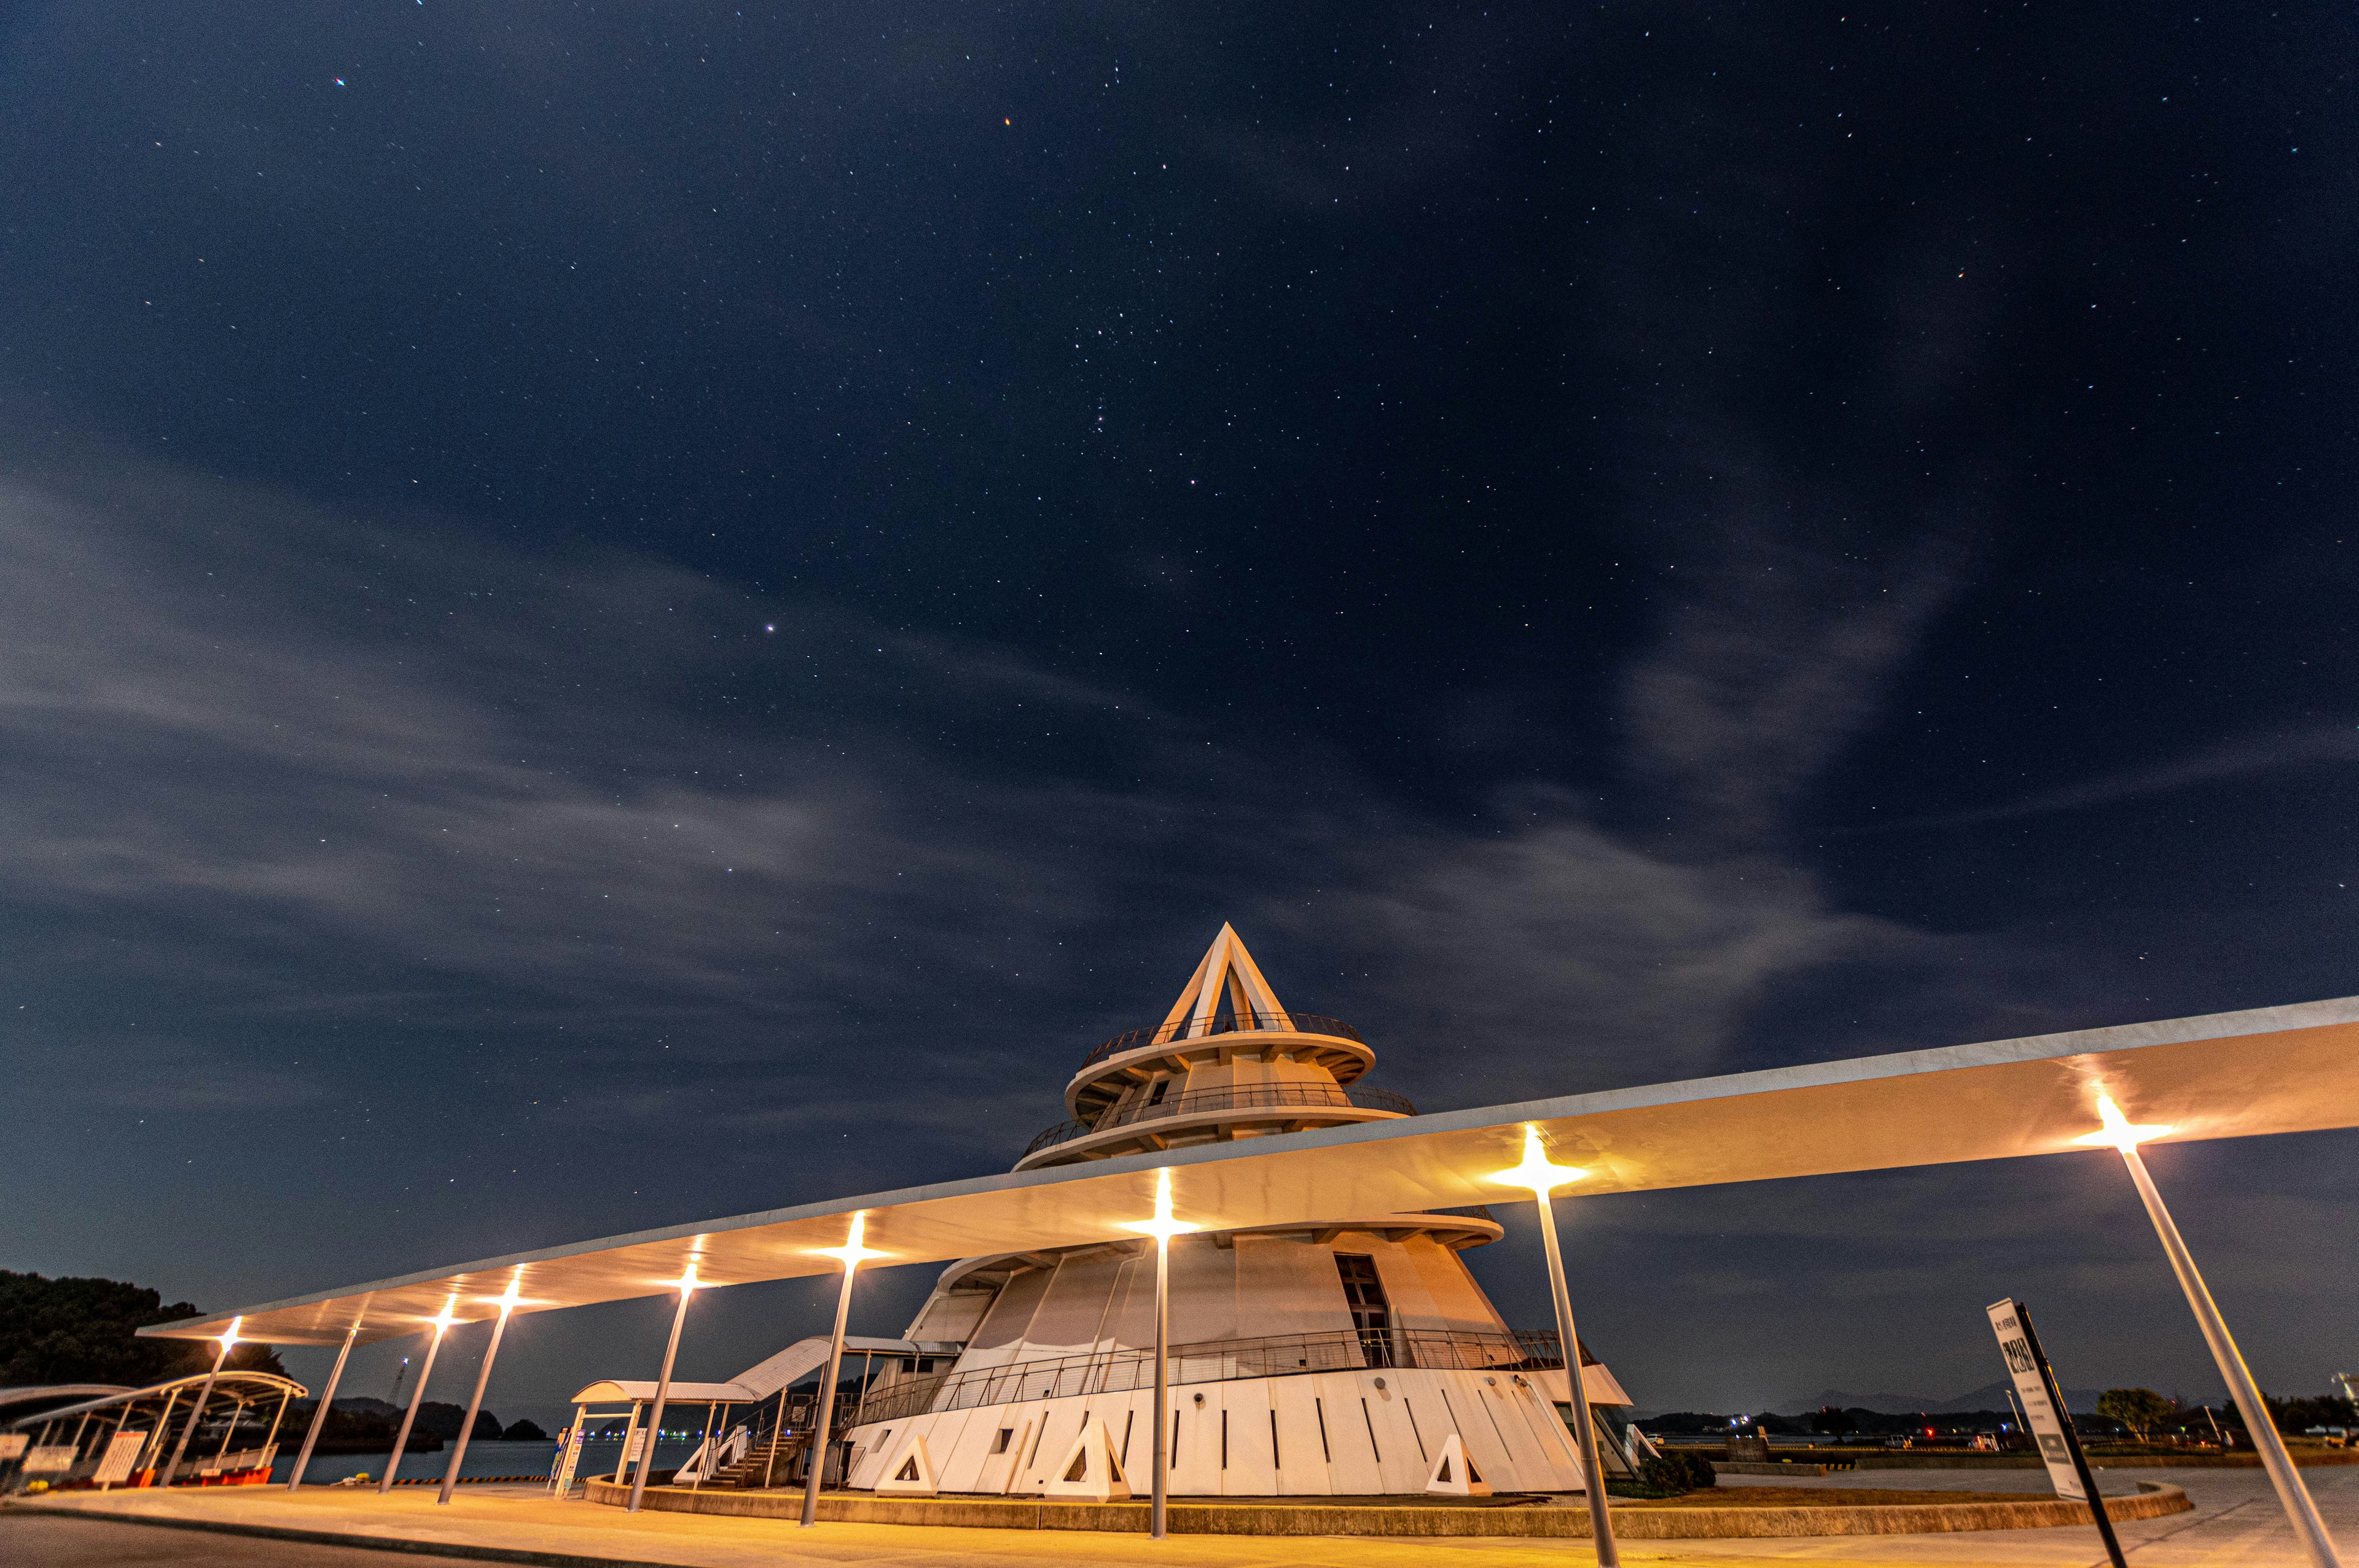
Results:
[1371, 1314]
[1155, 1096]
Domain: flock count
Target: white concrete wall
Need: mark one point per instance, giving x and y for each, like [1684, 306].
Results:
[1337, 1435]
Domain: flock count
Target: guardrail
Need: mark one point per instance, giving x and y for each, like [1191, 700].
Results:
[1243, 1097]
[1216, 1361]
[1221, 1023]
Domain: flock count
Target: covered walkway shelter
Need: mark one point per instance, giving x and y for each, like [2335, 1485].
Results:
[211, 1428]
[2268, 1070]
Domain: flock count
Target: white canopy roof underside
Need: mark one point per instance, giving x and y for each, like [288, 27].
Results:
[2268, 1070]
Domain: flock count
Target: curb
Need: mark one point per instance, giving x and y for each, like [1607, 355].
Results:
[2152, 1500]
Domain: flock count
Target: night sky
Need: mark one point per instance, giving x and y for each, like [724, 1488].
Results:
[617, 614]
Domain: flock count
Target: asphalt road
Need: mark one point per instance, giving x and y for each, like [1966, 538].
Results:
[49, 1541]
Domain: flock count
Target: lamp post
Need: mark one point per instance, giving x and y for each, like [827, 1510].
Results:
[320, 1416]
[851, 1253]
[1537, 1175]
[197, 1412]
[417, 1397]
[687, 1286]
[2120, 1133]
[1163, 1227]
[507, 1305]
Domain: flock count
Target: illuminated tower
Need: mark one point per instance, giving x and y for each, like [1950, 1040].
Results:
[1331, 1358]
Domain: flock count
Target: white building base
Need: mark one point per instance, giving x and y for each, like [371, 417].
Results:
[1356, 1433]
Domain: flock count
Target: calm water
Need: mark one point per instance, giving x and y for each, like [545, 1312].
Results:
[483, 1459]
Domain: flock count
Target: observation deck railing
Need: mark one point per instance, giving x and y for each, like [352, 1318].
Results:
[1216, 1361]
[1242, 1096]
[1221, 1023]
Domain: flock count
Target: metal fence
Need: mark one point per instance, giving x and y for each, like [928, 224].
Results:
[1221, 1023]
[1244, 1096]
[1215, 1361]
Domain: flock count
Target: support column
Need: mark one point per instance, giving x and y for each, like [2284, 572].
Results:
[475, 1401]
[1163, 1227]
[204, 1391]
[320, 1417]
[824, 1417]
[1584, 1425]
[663, 1391]
[1159, 1494]
[2293, 1495]
[155, 1449]
[417, 1398]
[1541, 1176]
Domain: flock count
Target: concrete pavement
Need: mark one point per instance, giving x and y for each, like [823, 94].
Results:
[2235, 1521]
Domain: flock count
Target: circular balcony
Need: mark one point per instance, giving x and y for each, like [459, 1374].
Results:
[1178, 1046]
[1221, 1023]
[1267, 1106]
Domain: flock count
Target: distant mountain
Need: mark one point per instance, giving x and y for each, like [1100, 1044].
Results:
[1989, 1397]
[372, 1406]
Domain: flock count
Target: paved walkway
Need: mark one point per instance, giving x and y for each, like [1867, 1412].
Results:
[2236, 1521]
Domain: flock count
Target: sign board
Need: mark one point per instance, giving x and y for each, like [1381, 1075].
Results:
[2047, 1422]
[122, 1453]
[12, 1444]
[638, 1446]
[49, 1461]
[569, 1455]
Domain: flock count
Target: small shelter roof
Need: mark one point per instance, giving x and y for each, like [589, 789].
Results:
[246, 1386]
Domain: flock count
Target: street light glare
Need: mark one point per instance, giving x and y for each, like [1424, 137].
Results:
[1535, 1172]
[851, 1251]
[1163, 1227]
[2119, 1131]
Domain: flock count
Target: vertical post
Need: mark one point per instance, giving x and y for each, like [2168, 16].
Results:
[236, 1416]
[320, 1416]
[630, 1427]
[2072, 1449]
[663, 1392]
[817, 1466]
[1159, 1497]
[204, 1391]
[2291, 1494]
[475, 1401]
[417, 1397]
[777, 1435]
[154, 1448]
[1585, 1427]
[711, 1408]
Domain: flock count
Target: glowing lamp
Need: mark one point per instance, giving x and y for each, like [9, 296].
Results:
[851, 1253]
[2119, 1131]
[229, 1335]
[1536, 1173]
[1163, 1227]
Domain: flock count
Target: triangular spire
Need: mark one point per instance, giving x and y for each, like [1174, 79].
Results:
[1228, 973]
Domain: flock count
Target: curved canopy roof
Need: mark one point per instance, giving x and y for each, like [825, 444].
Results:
[235, 1386]
[2268, 1070]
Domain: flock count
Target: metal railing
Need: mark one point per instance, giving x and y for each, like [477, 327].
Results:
[1215, 1361]
[1221, 1023]
[1240, 1096]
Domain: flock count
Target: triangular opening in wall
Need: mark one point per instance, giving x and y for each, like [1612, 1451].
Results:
[1453, 1475]
[1091, 1468]
[909, 1473]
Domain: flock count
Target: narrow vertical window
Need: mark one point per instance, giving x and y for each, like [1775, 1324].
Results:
[1412, 1426]
[1326, 1451]
[1371, 1313]
[1372, 1430]
[1175, 1440]
[1276, 1463]
[1224, 1440]
[1127, 1420]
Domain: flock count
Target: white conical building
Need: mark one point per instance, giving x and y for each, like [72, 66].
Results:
[1334, 1358]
